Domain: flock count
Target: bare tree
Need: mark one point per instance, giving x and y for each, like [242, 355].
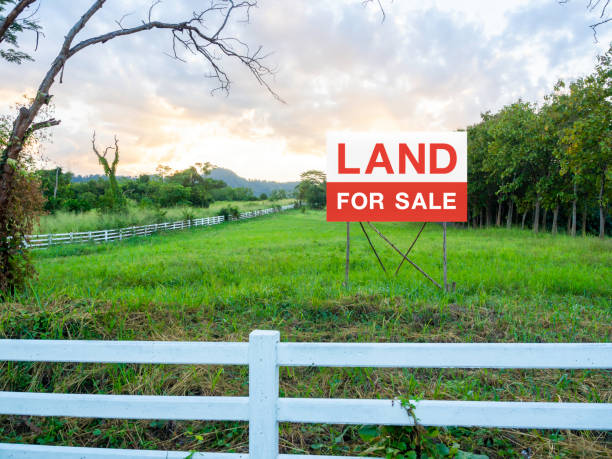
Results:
[110, 170]
[203, 34]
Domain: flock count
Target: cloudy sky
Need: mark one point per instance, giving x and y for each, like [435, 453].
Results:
[431, 65]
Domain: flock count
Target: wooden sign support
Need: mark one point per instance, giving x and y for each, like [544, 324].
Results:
[404, 256]
[348, 251]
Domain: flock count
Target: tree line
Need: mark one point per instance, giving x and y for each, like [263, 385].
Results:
[532, 164]
[167, 188]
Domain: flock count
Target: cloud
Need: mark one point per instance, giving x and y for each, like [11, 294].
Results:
[427, 66]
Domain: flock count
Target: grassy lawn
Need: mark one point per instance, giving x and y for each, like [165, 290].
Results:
[285, 272]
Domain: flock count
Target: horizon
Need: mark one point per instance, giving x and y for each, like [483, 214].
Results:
[463, 60]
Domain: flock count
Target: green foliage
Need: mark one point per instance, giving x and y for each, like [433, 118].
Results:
[277, 195]
[553, 155]
[312, 188]
[12, 54]
[21, 208]
[229, 212]
[170, 189]
[63, 221]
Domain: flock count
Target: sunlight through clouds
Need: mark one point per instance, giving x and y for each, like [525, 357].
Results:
[433, 65]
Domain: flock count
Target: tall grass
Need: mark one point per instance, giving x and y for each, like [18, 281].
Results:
[65, 222]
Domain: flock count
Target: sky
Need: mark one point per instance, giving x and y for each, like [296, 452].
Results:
[430, 65]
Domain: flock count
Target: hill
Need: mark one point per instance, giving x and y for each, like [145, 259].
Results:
[257, 186]
[228, 176]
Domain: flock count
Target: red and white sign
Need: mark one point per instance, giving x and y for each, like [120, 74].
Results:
[397, 177]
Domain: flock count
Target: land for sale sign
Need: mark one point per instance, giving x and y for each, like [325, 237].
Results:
[397, 176]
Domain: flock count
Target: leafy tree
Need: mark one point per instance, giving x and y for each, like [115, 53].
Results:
[312, 188]
[482, 185]
[516, 156]
[56, 187]
[277, 195]
[163, 171]
[20, 213]
[589, 139]
[171, 194]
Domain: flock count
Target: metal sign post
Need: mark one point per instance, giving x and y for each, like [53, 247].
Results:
[397, 177]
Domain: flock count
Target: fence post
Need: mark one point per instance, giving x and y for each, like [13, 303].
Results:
[263, 394]
[105, 235]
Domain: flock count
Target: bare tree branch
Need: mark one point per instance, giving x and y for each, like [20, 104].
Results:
[382, 10]
[592, 6]
[44, 124]
[191, 36]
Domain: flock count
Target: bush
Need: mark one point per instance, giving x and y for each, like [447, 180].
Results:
[188, 214]
[229, 212]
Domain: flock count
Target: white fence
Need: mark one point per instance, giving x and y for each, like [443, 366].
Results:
[118, 234]
[264, 409]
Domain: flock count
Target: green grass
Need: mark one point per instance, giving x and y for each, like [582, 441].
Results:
[65, 222]
[285, 272]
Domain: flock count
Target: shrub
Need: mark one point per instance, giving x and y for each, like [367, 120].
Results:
[229, 212]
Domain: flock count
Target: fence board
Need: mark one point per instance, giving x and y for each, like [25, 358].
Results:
[263, 409]
[524, 415]
[447, 355]
[125, 406]
[170, 352]
[12, 451]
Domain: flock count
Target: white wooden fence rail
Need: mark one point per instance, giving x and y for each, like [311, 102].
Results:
[264, 409]
[118, 234]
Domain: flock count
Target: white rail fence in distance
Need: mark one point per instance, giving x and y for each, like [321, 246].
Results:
[264, 409]
[118, 234]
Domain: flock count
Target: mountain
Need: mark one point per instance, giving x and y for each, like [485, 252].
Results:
[258, 186]
[230, 177]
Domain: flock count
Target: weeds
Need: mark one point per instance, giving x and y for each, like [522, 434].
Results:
[285, 273]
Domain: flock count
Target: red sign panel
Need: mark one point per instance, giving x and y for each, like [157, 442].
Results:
[414, 176]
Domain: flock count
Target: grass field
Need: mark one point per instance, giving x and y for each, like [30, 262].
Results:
[65, 222]
[285, 272]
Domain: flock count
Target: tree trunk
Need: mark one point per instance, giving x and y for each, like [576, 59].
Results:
[509, 219]
[22, 127]
[536, 216]
[574, 212]
[488, 215]
[602, 209]
[569, 223]
[545, 214]
[56, 177]
[499, 212]
[584, 218]
[555, 219]
[481, 217]
[523, 220]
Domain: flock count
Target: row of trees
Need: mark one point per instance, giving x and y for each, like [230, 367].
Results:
[529, 163]
[190, 186]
